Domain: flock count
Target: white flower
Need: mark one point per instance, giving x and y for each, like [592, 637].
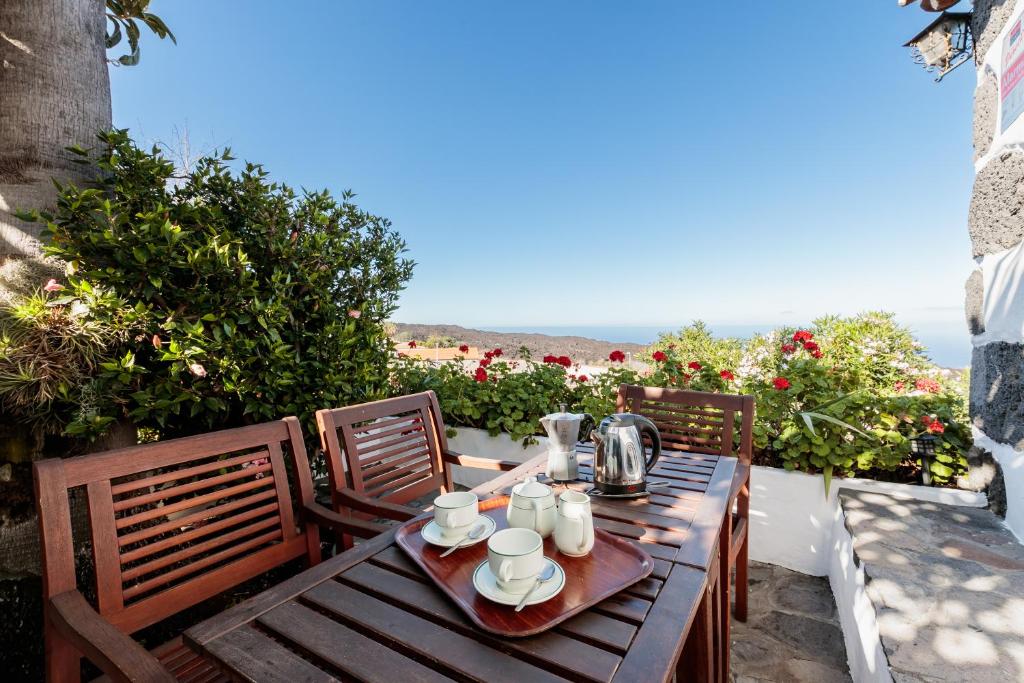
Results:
[197, 369]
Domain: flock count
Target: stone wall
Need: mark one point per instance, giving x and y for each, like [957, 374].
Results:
[995, 297]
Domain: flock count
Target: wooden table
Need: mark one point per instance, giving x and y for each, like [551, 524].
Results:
[370, 614]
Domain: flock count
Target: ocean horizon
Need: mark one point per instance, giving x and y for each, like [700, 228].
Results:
[945, 345]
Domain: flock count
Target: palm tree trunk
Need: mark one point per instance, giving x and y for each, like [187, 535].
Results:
[54, 92]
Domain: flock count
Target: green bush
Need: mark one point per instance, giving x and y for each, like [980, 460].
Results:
[232, 299]
[842, 398]
[496, 395]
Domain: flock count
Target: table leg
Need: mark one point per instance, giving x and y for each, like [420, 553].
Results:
[724, 587]
[697, 663]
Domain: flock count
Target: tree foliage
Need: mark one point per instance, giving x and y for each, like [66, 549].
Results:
[232, 298]
[127, 14]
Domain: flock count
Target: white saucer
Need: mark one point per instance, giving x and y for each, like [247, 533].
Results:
[487, 586]
[431, 533]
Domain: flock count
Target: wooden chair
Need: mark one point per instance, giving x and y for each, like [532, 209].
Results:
[383, 455]
[700, 422]
[170, 524]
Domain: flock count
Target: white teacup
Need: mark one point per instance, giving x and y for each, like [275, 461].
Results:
[515, 557]
[455, 513]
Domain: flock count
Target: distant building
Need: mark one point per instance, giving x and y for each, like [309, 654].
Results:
[438, 354]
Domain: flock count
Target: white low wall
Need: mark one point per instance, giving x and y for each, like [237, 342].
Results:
[791, 521]
[1012, 463]
[478, 443]
[794, 525]
[864, 653]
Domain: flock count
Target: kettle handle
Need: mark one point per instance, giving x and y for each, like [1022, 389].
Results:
[648, 427]
[587, 425]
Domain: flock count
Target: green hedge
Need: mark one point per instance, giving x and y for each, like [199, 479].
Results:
[843, 397]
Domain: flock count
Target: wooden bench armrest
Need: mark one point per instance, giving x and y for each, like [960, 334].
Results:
[479, 463]
[325, 517]
[115, 653]
[360, 503]
[739, 480]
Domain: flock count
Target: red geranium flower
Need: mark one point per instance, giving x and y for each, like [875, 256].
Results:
[481, 375]
[484, 362]
[550, 359]
[464, 348]
[727, 376]
[802, 336]
[659, 356]
[780, 383]
[927, 385]
[816, 353]
[810, 346]
[936, 427]
[788, 348]
[617, 356]
[687, 378]
[412, 345]
[564, 361]
[899, 387]
[926, 419]
[581, 378]
[694, 365]
[496, 352]
[488, 355]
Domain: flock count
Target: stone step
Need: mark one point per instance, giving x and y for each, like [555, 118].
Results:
[947, 585]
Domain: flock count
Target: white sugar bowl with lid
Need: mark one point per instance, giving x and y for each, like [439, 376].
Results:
[532, 506]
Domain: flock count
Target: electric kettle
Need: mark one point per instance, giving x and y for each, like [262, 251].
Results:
[620, 464]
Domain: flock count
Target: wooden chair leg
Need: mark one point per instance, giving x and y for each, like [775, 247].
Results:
[63, 662]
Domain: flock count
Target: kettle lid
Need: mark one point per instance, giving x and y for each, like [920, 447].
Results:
[619, 420]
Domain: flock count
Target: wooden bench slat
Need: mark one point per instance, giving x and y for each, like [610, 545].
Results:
[553, 648]
[625, 607]
[429, 641]
[658, 638]
[597, 628]
[246, 649]
[189, 503]
[335, 643]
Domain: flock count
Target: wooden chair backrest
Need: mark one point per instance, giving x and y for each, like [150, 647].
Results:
[391, 450]
[693, 421]
[176, 522]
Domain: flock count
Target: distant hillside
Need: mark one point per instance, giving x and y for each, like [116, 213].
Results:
[580, 349]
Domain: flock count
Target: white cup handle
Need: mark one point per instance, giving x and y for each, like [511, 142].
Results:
[505, 570]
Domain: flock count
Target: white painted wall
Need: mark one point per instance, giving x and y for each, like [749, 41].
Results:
[991, 62]
[864, 653]
[478, 443]
[1012, 463]
[791, 521]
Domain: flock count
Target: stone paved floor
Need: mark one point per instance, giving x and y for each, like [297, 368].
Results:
[792, 632]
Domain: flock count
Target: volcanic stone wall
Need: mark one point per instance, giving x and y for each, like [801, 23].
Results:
[995, 291]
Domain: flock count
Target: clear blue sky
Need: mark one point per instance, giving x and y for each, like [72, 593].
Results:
[572, 163]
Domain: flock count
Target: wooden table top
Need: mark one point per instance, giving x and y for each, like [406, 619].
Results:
[370, 614]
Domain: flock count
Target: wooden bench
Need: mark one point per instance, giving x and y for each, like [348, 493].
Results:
[170, 524]
[383, 455]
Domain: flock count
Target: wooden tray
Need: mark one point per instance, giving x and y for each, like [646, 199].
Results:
[612, 565]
